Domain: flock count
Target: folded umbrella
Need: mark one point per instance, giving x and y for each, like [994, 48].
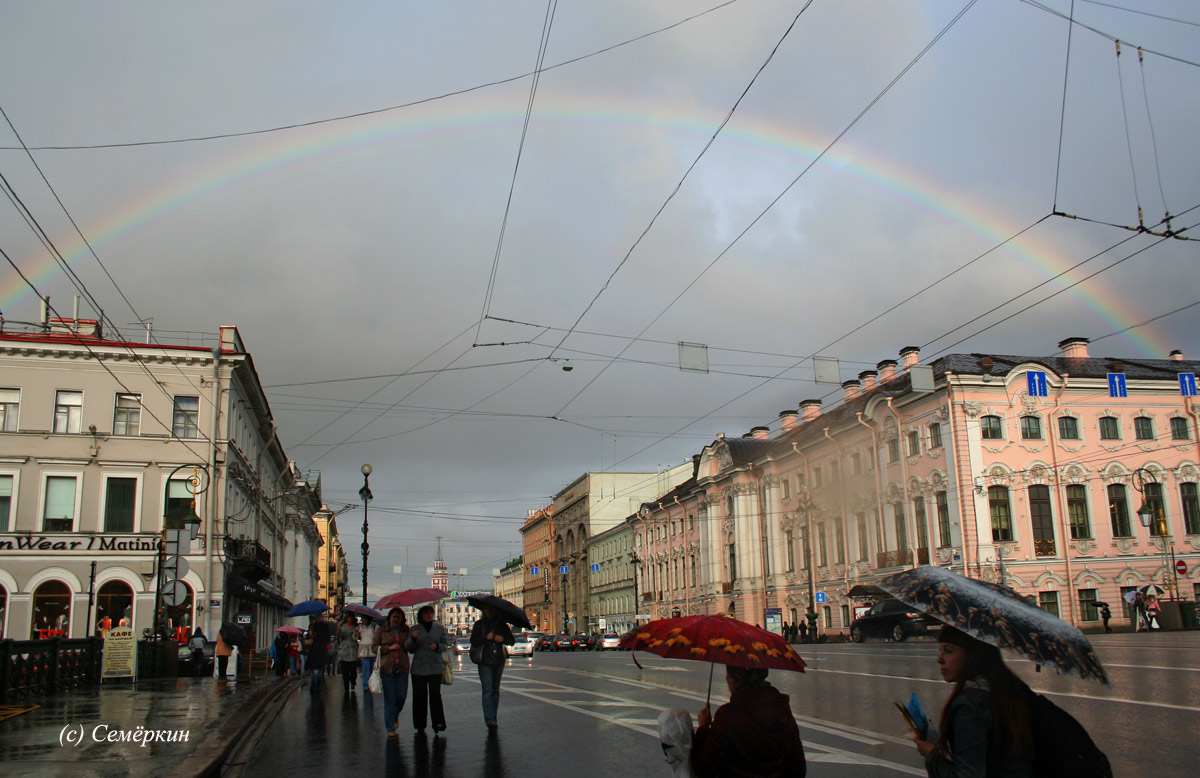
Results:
[363, 610]
[307, 608]
[997, 615]
[410, 597]
[505, 609]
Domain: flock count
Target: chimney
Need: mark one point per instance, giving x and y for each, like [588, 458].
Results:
[851, 389]
[909, 356]
[887, 370]
[810, 409]
[867, 379]
[787, 420]
[760, 433]
[1074, 348]
[1176, 356]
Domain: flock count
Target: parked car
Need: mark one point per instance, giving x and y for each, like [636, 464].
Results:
[564, 643]
[545, 642]
[522, 647]
[532, 637]
[608, 641]
[891, 619]
[581, 642]
[462, 645]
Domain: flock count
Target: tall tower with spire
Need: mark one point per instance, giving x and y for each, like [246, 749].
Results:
[441, 576]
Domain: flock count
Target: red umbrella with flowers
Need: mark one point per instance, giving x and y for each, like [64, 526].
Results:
[714, 639]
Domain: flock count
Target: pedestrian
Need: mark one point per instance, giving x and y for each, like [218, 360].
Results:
[293, 655]
[1106, 614]
[754, 734]
[426, 641]
[803, 632]
[786, 632]
[985, 724]
[389, 642]
[197, 644]
[279, 652]
[1152, 611]
[318, 642]
[347, 653]
[366, 647]
[489, 636]
[223, 651]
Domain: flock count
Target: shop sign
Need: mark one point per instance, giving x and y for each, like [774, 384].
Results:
[118, 543]
[119, 654]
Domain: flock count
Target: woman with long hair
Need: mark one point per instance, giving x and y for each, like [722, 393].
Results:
[984, 728]
[393, 667]
[426, 642]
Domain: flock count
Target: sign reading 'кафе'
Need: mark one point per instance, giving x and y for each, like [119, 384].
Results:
[79, 543]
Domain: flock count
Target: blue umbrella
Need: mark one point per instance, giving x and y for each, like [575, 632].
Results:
[307, 608]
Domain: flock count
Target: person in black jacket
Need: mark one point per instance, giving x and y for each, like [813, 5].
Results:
[489, 636]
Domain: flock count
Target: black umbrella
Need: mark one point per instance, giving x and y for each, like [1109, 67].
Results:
[235, 634]
[505, 609]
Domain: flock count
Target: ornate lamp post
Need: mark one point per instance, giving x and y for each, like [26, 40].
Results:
[365, 494]
[805, 506]
[175, 520]
[1151, 514]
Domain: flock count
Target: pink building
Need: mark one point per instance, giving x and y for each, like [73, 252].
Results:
[1023, 469]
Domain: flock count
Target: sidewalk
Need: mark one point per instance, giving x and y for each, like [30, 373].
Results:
[98, 731]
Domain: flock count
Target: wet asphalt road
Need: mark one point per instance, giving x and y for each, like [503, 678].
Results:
[595, 714]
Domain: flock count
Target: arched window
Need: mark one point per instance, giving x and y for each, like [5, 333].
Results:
[990, 427]
[1001, 513]
[51, 611]
[114, 604]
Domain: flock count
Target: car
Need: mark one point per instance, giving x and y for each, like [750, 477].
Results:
[891, 620]
[581, 642]
[608, 641]
[564, 643]
[462, 645]
[545, 642]
[532, 637]
[522, 647]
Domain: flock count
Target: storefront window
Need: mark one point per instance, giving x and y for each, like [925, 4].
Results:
[114, 607]
[51, 611]
[179, 618]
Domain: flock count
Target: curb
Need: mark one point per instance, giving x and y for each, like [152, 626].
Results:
[209, 757]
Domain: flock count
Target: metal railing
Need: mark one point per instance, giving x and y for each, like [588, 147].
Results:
[33, 668]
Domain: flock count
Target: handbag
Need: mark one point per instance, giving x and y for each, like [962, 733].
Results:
[375, 684]
[477, 653]
[447, 671]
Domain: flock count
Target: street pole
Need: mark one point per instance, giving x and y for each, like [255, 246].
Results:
[365, 494]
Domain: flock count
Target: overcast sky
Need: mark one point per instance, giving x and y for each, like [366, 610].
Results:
[371, 245]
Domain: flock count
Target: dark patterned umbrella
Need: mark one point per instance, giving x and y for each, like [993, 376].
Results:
[997, 615]
[506, 610]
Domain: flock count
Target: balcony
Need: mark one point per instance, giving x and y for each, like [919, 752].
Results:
[895, 558]
[1044, 547]
[250, 559]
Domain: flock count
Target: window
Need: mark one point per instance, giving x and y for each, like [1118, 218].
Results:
[828, 611]
[817, 480]
[863, 549]
[1031, 428]
[1118, 511]
[785, 488]
[855, 463]
[732, 562]
[1109, 429]
[791, 551]
[127, 416]
[901, 527]
[68, 411]
[822, 552]
[990, 427]
[1126, 605]
[1068, 428]
[1048, 601]
[845, 615]
[1153, 495]
[833, 472]
[1077, 511]
[1143, 428]
[59, 510]
[919, 520]
[6, 495]
[914, 444]
[1191, 508]
[1042, 520]
[120, 495]
[1087, 605]
[10, 405]
[691, 521]
[179, 498]
[935, 435]
[1179, 428]
[1001, 513]
[185, 417]
[52, 611]
[943, 513]
[893, 451]
[839, 544]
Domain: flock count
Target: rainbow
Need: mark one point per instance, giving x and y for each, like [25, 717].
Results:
[445, 118]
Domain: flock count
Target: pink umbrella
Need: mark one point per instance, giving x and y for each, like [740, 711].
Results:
[410, 597]
[290, 630]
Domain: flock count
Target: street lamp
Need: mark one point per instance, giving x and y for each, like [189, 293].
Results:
[1151, 511]
[805, 506]
[175, 519]
[365, 494]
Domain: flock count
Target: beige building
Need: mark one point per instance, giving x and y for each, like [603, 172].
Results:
[99, 439]
[331, 561]
[509, 582]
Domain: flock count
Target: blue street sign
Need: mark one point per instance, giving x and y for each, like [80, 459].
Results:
[1187, 384]
[1116, 385]
[821, 597]
[533, 571]
[564, 569]
[1037, 383]
[595, 568]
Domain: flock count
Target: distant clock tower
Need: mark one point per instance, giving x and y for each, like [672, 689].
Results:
[441, 576]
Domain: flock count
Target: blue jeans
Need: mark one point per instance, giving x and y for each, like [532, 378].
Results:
[368, 665]
[395, 692]
[489, 679]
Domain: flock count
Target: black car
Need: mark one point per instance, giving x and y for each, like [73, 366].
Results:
[545, 642]
[564, 642]
[891, 619]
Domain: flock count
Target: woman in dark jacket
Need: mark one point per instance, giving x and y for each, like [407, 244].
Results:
[754, 734]
[489, 636]
[985, 723]
[426, 642]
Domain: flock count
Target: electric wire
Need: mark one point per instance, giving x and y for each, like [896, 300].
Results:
[1153, 139]
[1128, 138]
[1075, 22]
[1142, 13]
[1148, 321]
[1062, 117]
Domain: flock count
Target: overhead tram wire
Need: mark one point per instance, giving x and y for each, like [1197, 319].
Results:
[1062, 117]
[377, 111]
[1153, 139]
[1054, 12]
[678, 186]
[1141, 13]
[1137, 197]
[543, 44]
[821, 155]
[1148, 321]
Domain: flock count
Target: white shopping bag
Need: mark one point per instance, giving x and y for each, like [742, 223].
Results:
[675, 736]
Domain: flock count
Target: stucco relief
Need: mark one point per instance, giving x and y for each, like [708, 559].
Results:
[727, 526]
[1029, 406]
[945, 553]
[1074, 474]
[724, 458]
[1125, 545]
[915, 487]
[742, 488]
[1115, 474]
[942, 413]
[1039, 474]
[1187, 474]
[771, 479]
[1194, 541]
[1083, 545]
[890, 430]
[972, 409]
